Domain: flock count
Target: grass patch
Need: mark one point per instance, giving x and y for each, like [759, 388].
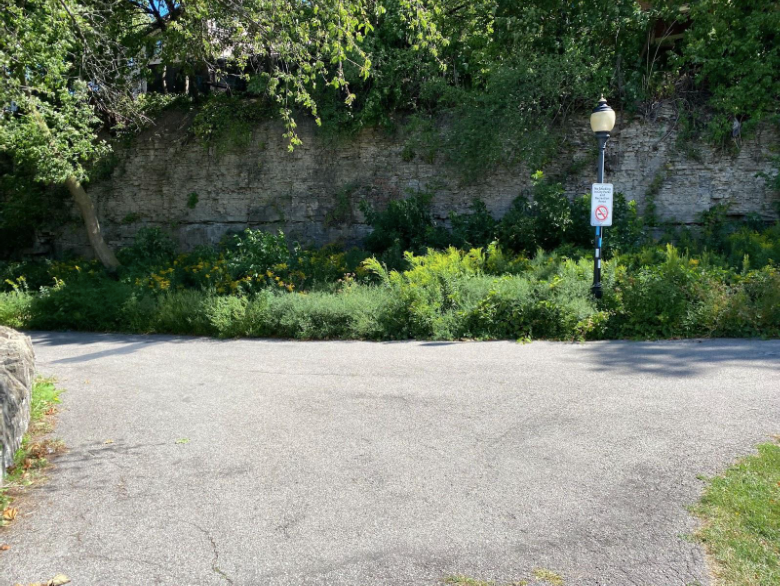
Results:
[466, 581]
[741, 514]
[539, 575]
[45, 398]
[32, 458]
[552, 578]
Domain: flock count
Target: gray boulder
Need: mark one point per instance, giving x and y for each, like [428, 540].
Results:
[17, 369]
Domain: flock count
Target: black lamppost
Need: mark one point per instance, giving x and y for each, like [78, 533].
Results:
[602, 121]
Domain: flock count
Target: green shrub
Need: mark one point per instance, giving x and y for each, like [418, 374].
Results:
[760, 248]
[543, 222]
[43, 273]
[763, 288]
[225, 121]
[233, 317]
[476, 229]
[551, 300]
[627, 233]
[227, 316]
[501, 262]
[319, 268]
[151, 248]
[15, 309]
[430, 290]
[353, 313]
[182, 312]
[750, 308]
[404, 225]
[254, 252]
[659, 301]
[315, 316]
[716, 227]
[139, 313]
[27, 206]
[721, 44]
[86, 303]
[517, 229]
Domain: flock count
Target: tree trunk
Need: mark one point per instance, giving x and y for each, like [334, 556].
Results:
[84, 203]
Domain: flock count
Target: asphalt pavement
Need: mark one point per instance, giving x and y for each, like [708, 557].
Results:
[254, 462]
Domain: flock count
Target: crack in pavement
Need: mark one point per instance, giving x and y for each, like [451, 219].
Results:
[215, 560]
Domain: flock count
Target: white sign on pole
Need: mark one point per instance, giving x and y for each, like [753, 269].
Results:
[601, 196]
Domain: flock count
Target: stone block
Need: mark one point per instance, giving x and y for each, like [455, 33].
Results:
[17, 370]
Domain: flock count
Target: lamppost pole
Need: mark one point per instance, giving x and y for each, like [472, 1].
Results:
[602, 137]
[602, 121]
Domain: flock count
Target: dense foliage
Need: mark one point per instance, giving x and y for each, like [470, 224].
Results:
[721, 281]
[509, 73]
[491, 82]
[543, 218]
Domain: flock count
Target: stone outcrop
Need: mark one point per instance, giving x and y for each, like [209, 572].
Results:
[169, 179]
[17, 369]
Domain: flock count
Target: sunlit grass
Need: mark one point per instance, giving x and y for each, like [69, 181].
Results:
[741, 514]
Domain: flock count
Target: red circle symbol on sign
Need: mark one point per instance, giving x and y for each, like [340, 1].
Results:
[602, 213]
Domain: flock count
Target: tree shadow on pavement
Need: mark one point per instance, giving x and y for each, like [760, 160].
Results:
[122, 344]
[681, 359]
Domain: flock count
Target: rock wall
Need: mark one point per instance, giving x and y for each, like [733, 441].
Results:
[17, 368]
[167, 178]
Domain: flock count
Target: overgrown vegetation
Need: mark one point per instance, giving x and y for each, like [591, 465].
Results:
[32, 458]
[489, 83]
[476, 278]
[506, 74]
[26, 207]
[542, 218]
[741, 518]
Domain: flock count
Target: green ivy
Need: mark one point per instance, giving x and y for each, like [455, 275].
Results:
[226, 122]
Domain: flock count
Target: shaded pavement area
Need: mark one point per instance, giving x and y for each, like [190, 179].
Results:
[204, 462]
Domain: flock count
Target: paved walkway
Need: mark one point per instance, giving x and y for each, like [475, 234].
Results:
[203, 462]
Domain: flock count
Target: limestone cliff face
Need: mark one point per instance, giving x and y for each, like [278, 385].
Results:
[313, 193]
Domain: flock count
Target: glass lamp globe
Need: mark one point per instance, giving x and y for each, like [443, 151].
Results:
[603, 117]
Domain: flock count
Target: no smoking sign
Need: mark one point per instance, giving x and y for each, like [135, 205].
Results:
[601, 196]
